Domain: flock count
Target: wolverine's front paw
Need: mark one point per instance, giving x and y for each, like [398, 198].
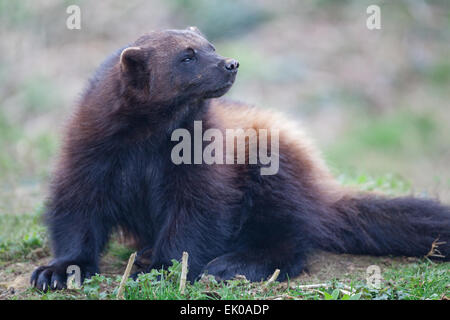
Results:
[54, 276]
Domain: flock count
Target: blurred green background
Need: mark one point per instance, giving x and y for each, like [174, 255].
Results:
[376, 102]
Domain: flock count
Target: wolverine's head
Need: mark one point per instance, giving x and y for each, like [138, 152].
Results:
[176, 64]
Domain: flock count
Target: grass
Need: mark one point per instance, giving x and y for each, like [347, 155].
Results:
[23, 242]
[20, 236]
[422, 280]
[417, 281]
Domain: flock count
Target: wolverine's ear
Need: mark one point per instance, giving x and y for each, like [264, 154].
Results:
[133, 65]
[196, 30]
[132, 58]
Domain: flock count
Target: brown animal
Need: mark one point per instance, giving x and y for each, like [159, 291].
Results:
[115, 173]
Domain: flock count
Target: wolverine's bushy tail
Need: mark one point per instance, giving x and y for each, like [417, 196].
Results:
[405, 226]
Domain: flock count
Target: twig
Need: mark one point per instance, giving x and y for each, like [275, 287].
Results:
[282, 297]
[314, 286]
[346, 292]
[273, 277]
[434, 252]
[346, 287]
[125, 276]
[184, 270]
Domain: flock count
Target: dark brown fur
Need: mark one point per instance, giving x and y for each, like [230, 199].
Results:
[115, 172]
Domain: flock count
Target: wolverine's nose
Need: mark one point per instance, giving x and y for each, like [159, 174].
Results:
[231, 64]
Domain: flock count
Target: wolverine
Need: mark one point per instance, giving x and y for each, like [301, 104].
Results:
[115, 173]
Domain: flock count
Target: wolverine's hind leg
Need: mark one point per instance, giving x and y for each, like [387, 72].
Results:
[143, 258]
[258, 264]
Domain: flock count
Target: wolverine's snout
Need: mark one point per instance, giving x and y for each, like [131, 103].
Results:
[231, 64]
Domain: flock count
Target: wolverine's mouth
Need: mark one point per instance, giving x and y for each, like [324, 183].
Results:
[220, 91]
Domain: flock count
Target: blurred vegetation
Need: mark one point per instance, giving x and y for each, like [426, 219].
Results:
[377, 102]
[221, 19]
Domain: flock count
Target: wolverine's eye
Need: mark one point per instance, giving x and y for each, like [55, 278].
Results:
[189, 57]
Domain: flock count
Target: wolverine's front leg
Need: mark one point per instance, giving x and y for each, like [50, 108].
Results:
[80, 217]
[76, 242]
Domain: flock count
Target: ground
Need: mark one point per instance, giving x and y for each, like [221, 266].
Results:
[24, 246]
